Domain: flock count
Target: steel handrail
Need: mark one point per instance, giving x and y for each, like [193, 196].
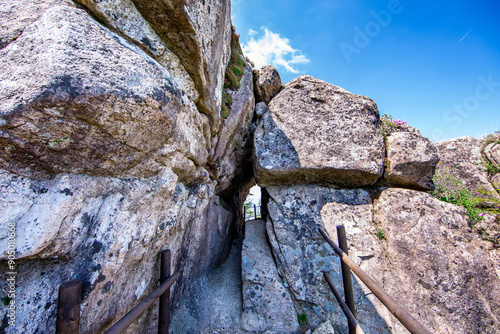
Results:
[136, 312]
[412, 324]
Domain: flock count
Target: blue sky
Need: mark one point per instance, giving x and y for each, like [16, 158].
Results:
[435, 64]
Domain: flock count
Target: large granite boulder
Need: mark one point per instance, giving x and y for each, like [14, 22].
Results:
[78, 98]
[267, 305]
[411, 161]
[492, 153]
[107, 232]
[123, 16]
[104, 155]
[302, 255]
[316, 132]
[231, 148]
[435, 264]
[421, 250]
[199, 33]
[267, 83]
[462, 158]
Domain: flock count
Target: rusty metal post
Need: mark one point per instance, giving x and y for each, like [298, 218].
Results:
[164, 312]
[351, 319]
[346, 275]
[255, 211]
[68, 307]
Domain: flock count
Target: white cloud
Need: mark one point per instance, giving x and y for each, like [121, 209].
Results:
[273, 49]
[252, 32]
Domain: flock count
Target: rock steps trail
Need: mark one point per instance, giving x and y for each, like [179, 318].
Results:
[245, 294]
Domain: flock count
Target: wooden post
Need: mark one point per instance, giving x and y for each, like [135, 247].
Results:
[164, 312]
[244, 213]
[346, 276]
[68, 307]
[351, 319]
[412, 324]
[255, 211]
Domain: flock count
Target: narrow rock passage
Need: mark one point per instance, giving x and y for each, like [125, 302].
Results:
[224, 293]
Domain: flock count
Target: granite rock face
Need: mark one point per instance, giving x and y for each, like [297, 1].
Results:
[106, 132]
[421, 250]
[302, 255]
[411, 161]
[81, 99]
[436, 263]
[267, 305]
[316, 132]
[231, 149]
[107, 232]
[462, 156]
[123, 16]
[267, 83]
[198, 32]
[16, 15]
[492, 153]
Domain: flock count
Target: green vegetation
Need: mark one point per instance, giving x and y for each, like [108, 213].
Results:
[388, 124]
[6, 300]
[234, 72]
[451, 189]
[490, 139]
[302, 318]
[380, 234]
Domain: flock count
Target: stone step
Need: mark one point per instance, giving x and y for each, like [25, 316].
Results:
[267, 305]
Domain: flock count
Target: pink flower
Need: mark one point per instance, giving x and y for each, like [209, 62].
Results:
[399, 122]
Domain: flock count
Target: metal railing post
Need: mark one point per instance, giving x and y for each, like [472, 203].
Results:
[255, 211]
[164, 312]
[68, 307]
[351, 319]
[346, 276]
[412, 324]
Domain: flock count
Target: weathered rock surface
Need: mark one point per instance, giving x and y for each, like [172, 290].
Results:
[411, 161]
[316, 132]
[104, 155]
[492, 153]
[496, 181]
[16, 15]
[267, 83]
[296, 213]
[123, 16]
[198, 32]
[267, 305]
[462, 157]
[231, 149]
[261, 108]
[107, 232]
[325, 328]
[428, 258]
[78, 98]
[435, 264]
